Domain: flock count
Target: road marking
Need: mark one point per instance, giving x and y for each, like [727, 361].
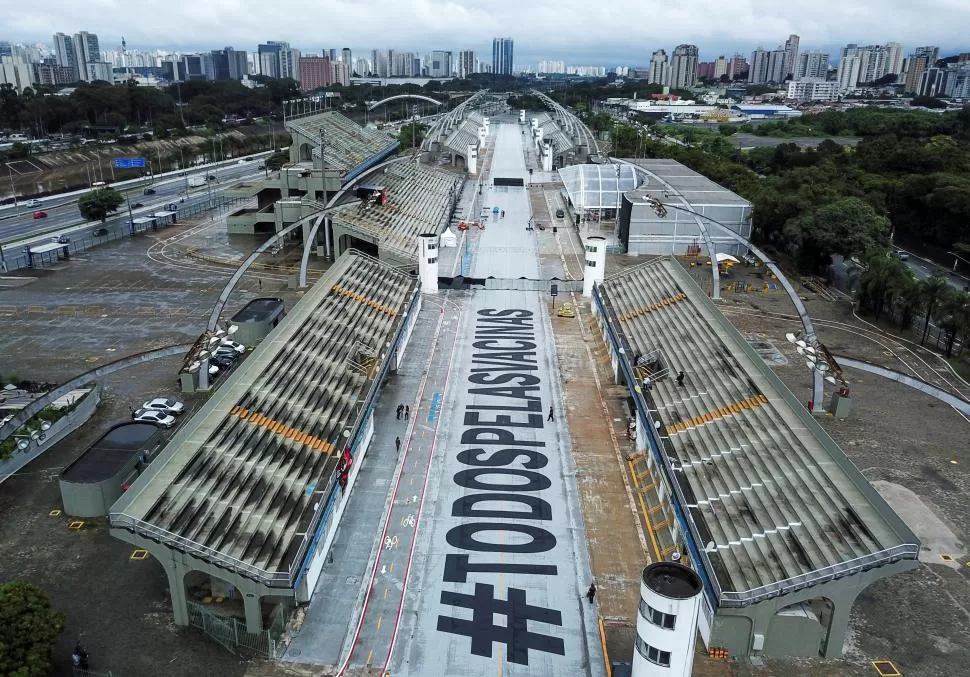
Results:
[54, 513]
[385, 593]
[138, 555]
[75, 525]
[370, 655]
[380, 622]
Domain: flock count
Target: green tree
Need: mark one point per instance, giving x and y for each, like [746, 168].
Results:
[935, 292]
[880, 282]
[28, 630]
[955, 310]
[97, 204]
[277, 160]
[847, 226]
[415, 129]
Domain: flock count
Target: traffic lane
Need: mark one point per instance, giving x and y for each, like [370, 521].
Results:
[68, 216]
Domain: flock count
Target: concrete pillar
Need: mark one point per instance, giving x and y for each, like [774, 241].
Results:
[595, 269]
[471, 160]
[254, 613]
[428, 263]
[546, 156]
[176, 588]
[838, 626]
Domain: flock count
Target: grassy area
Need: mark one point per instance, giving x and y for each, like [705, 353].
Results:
[961, 366]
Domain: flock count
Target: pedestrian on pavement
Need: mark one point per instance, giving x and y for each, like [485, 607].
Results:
[259, 281]
[407, 412]
[591, 593]
[680, 379]
[400, 410]
[131, 410]
[503, 213]
[550, 417]
[397, 443]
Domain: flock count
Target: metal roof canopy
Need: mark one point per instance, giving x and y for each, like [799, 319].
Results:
[598, 186]
[771, 503]
[49, 247]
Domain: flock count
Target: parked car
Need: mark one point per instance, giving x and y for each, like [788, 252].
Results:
[149, 191]
[235, 345]
[560, 214]
[32, 203]
[40, 215]
[225, 351]
[901, 255]
[212, 177]
[221, 361]
[99, 232]
[261, 167]
[137, 205]
[154, 416]
[166, 404]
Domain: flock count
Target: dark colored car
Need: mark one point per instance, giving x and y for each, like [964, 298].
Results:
[149, 191]
[137, 205]
[560, 214]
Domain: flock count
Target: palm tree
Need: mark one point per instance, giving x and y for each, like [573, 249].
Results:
[878, 281]
[935, 291]
[956, 318]
[908, 295]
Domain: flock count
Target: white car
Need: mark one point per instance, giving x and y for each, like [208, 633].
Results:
[166, 404]
[235, 345]
[33, 203]
[154, 416]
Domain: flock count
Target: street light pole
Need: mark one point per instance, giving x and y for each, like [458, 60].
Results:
[13, 189]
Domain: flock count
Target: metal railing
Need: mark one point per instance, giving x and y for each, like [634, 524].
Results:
[232, 632]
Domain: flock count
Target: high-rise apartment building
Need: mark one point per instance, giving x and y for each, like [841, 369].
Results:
[467, 63]
[66, 56]
[269, 58]
[229, 64]
[502, 56]
[791, 52]
[315, 72]
[87, 51]
[932, 54]
[720, 67]
[812, 65]
[848, 73]
[914, 72]
[341, 73]
[346, 56]
[15, 71]
[551, 67]
[683, 67]
[777, 68]
[894, 58]
[758, 69]
[737, 67]
[659, 69]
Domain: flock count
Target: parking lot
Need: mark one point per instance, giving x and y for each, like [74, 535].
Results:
[58, 322]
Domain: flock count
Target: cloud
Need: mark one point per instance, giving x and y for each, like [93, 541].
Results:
[607, 31]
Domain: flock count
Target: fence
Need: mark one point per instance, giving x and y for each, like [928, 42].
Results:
[231, 632]
[102, 233]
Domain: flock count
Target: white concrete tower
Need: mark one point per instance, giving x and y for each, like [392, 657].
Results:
[546, 155]
[670, 603]
[428, 263]
[486, 123]
[521, 116]
[471, 160]
[595, 269]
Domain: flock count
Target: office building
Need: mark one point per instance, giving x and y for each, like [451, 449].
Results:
[720, 67]
[791, 53]
[659, 69]
[173, 70]
[346, 56]
[277, 60]
[777, 66]
[341, 73]
[49, 72]
[439, 65]
[502, 56]
[99, 70]
[914, 73]
[551, 67]
[229, 64]
[197, 66]
[813, 89]
[315, 72]
[86, 51]
[932, 54]
[467, 63]
[683, 67]
[935, 82]
[961, 82]
[812, 65]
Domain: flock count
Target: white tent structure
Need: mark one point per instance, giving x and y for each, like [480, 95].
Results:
[598, 187]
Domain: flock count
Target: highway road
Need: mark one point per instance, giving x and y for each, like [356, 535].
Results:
[64, 214]
[924, 268]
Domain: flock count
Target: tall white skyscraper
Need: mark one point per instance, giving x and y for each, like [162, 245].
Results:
[683, 67]
[848, 74]
[66, 56]
[467, 63]
[791, 49]
[894, 58]
[87, 52]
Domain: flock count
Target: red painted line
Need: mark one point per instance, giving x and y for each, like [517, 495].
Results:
[387, 518]
[424, 493]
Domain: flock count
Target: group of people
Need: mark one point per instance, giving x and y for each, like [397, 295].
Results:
[403, 410]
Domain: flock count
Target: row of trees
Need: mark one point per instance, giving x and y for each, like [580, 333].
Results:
[887, 285]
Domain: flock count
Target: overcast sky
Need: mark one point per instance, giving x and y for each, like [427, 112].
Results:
[599, 32]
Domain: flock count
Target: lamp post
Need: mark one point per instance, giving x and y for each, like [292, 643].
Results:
[13, 189]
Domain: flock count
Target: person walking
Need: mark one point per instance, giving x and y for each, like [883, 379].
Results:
[550, 417]
[591, 593]
[680, 379]
[259, 281]
[397, 443]
[400, 410]
[407, 412]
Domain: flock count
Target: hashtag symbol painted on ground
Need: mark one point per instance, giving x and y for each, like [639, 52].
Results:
[516, 636]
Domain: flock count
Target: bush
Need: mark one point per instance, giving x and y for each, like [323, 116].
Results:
[28, 630]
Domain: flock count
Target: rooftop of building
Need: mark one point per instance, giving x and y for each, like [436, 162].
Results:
[419, 199]
[111, 453]
[240, 484]
[671, 580]
[696, 190]
[773, 503]
[259, 310]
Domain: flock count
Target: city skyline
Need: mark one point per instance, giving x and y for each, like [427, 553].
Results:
[438, 27]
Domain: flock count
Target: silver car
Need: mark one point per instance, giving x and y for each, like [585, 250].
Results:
[166, 404]
[154, 416]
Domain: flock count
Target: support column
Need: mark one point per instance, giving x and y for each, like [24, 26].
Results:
[254, 613]
[176, 590]
[838, 626]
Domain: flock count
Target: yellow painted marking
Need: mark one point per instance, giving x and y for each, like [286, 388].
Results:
[886, 668]
[391, 570]
[279, 428]
[370, 655]
[76, 524]
[360, 298]
[646, 516]
[380, 622]
[385, 593]
[606, 654]
[946, 558]
[716, 414]
[137, 555]
[54, 513]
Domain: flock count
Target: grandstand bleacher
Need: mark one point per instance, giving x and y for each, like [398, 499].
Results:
[770, 503]
[420, 200]
[245, 488]
[349, 147]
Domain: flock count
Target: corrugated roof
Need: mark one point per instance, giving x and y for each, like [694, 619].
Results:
[759, 479]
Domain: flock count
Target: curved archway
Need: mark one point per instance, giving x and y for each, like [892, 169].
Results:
[377, 104]
[306, 152]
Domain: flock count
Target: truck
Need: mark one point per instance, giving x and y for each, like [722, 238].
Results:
[196, 181]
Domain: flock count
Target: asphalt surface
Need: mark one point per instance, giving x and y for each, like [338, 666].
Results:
[925, 268]
[62, 215]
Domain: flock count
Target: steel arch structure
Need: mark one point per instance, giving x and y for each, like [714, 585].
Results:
[403, 96]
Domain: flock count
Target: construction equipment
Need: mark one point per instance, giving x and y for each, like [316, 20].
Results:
[566, 310]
